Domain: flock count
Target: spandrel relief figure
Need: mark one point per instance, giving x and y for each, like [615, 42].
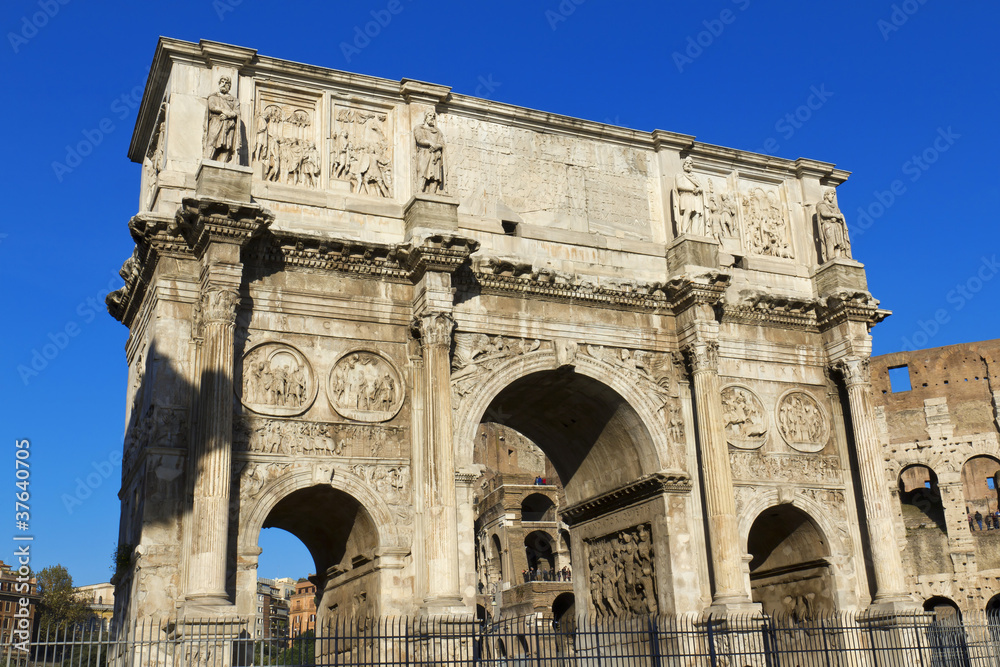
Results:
[365, 387]
[222, 135]
[430, 154]
[622, 576]
[689, 204]
[832, 227]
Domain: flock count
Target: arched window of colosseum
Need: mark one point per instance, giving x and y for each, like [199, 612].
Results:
[789, 573]
[540, 555]
[980, 490]
[920, 498]
[496, 559]
[538, 507]
[993, 606]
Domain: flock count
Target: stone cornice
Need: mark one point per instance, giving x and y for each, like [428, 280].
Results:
[436, 252]
[367, 259]
[849, 306]
[204, 221]
[706, 290]
[755, 307]
[630, 494]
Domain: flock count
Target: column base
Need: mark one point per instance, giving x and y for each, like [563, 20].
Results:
[208, 607]
[446, 605]
[893, 605]
[735, 605]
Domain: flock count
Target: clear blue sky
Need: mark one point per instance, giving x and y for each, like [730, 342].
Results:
[904, 94]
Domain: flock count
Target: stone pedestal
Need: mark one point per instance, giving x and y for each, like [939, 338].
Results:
[223, 181]
[425, 211]
[689, 254]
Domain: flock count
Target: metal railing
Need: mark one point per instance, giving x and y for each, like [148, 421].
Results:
[842, 640]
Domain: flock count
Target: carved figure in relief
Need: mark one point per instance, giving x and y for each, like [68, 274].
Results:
[365, 387]
[276, 380]
[801, 421]
[727, 215]
[361, 153]
[744, 418]
[688, 197]
[284, 147]
[222, 135]
[622, 573]
[430, 154]
[767, 233]
[833, 227]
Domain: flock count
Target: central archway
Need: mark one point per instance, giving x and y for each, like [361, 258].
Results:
[577, 434]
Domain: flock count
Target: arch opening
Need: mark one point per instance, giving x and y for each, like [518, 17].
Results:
[789, 570]
[342, 540]
[548, 440]
[923, 515]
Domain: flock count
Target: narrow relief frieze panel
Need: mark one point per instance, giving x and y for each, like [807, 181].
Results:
[297, 438]
[803, 468]
[622, 575]
[802, 421]
[361, 149]
[276, 380]
[286, 138]
[365, 386]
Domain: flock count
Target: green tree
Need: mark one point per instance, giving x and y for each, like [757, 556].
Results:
[59, 605]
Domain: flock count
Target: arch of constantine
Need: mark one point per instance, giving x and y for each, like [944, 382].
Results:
[354, 301]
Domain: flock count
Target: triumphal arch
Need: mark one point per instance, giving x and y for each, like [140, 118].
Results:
[341, 283]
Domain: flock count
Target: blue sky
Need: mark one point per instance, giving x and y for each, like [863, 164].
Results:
[903, 94]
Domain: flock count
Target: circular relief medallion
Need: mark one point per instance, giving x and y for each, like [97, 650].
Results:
[366, 387]
[802, 421]
[277, 380]
[744, 417]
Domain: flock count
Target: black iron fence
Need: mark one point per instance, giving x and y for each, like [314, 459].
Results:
[844, 640]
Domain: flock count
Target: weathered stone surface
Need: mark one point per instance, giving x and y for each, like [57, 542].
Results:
[339, 309]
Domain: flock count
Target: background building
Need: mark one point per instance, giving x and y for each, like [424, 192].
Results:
[100, 599]
[302, 608]
[937, 414]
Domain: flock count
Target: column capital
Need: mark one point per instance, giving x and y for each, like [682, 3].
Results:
[854, 370]
[702, 356]
[433, 329]
[218, 305]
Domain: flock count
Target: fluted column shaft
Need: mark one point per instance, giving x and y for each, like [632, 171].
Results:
[887, 562]
[212, 449]
[440, 511]
[717, 477]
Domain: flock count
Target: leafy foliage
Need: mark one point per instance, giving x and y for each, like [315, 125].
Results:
[59, 605]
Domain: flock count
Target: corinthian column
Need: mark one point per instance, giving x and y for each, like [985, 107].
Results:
[212, 449]
[440, 511]
[717, 478]
[886, 561]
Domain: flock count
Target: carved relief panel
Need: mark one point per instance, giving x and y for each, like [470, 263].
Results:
[285, 142]
[276, 380]
[361, 150]
[765, 220]
[621, 571]
[297, 438]
[366, 387]
[802, 421]
[745, 420]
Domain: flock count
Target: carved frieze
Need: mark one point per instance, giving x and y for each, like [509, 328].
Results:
[802, 468]
[297, 438]
[366, 387]
[285, 149]
[277, 380]
[475, 353]
[802, 421]
[622, 573]
[361, 150]
[253, 476]
[766, 221]
[157, 427]
[745, 420]
[392, 483]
